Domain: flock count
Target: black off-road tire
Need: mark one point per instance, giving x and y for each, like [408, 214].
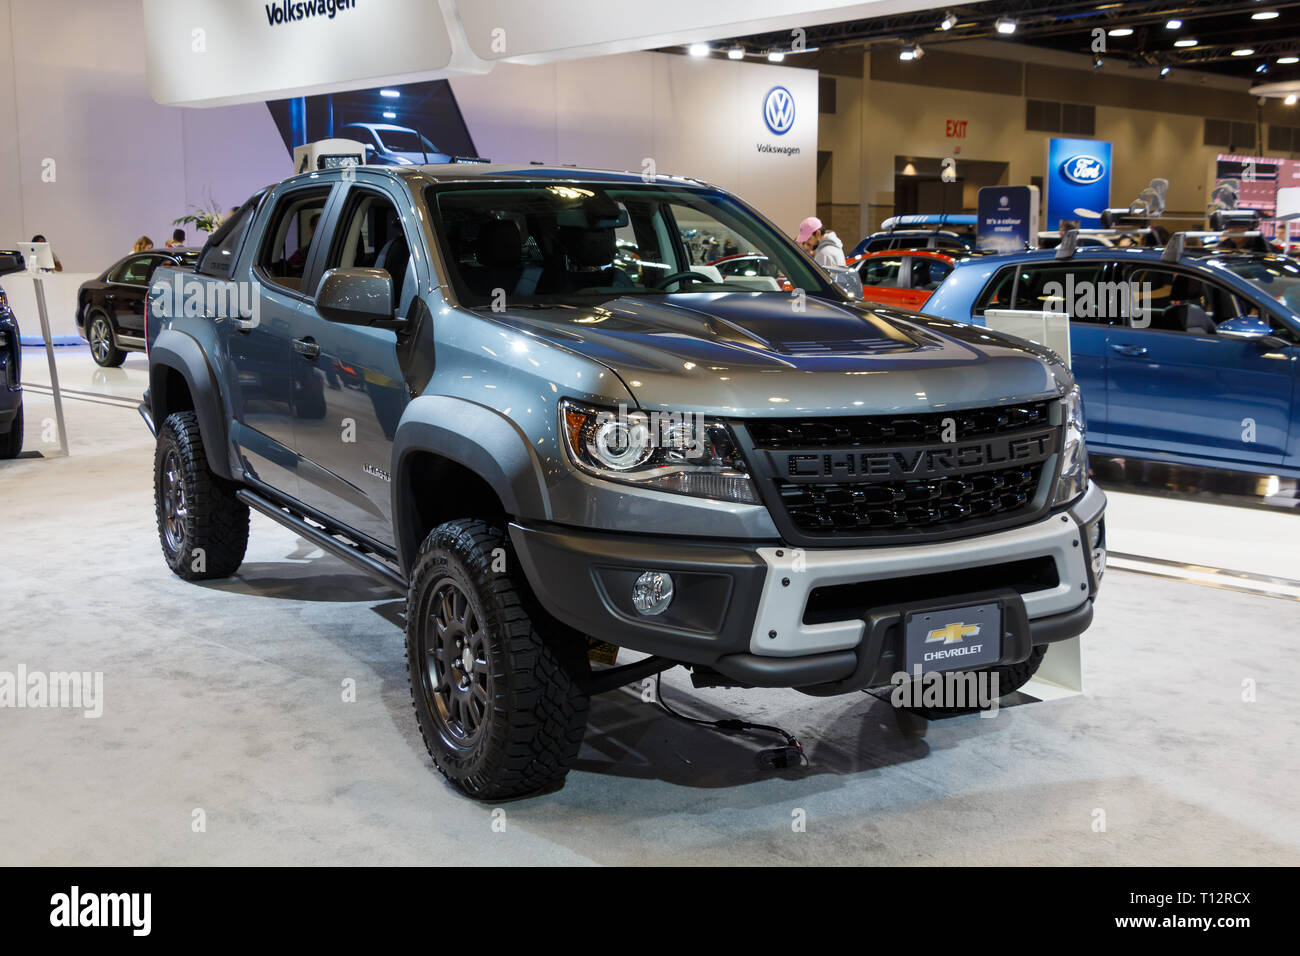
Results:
[11, 442]
[206, 536]
[509, 724]
[108, 355]
[1011, 677]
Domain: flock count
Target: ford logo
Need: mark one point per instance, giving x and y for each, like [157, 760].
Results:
[778, 110]
[1084, 170]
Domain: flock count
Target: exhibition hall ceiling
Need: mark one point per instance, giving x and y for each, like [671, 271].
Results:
[1242, 38]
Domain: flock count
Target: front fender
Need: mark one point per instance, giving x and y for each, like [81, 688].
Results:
[174, 351]
[476, 437]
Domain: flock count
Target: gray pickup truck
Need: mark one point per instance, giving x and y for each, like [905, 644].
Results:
[525, 397]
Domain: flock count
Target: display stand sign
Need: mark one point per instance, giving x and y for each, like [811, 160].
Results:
[1078, 180]
[39, 260]
[1008, 218]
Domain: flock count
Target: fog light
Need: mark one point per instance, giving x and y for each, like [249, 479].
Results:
[652, 592]
[1097, 548]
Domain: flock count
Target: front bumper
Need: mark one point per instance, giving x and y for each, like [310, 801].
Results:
[825, 620]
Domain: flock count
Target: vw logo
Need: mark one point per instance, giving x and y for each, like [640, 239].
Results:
[778, 110]
[1083, 170]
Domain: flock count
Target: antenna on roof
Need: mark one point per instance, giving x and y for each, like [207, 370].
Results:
[1174, 248]
[1069, 242]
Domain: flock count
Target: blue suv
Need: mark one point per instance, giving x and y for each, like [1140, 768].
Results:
[1200, 369]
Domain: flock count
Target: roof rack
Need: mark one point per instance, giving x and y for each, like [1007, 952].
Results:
[928, 219]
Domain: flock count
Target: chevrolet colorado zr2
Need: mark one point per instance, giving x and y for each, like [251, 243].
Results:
[512, 393]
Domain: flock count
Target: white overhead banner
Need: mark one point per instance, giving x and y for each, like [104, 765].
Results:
[216, 52]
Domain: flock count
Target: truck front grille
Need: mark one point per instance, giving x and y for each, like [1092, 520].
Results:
[835, 509]
[862, 480]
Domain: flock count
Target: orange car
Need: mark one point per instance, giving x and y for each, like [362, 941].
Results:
[903, 277]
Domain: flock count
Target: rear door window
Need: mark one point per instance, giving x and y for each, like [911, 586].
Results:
[928, 274]
[881, 272]
[291, 235]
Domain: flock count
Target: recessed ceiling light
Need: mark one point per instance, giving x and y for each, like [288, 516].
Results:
[1287, 60]
[1264, 15]
[735, 53]
[776, 56]
[1290, 99]
[390, 93]
[1120, 32]
[1244, 51]
[1174, 25]
[698, 49]
[1186, 41]
[1005, 25]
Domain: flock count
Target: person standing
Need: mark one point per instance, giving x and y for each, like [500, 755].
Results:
[822, 244]
[143, 244]
[177, 239]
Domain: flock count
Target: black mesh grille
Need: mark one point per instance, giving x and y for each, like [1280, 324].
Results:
[864, 508]
[888, 430]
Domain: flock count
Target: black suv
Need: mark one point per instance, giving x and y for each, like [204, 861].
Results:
[110, 307]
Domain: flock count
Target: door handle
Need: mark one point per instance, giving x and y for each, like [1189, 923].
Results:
[1132, 351]
[307, 347]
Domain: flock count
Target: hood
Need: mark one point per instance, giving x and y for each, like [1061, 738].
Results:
[751, 353]
[830, 239]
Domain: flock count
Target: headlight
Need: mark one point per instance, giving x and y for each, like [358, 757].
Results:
[679, 452]
[1074, 453]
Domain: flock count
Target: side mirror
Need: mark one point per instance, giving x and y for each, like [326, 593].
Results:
[357, 297]
[11, 260]
[847, 281]
[1253, 328]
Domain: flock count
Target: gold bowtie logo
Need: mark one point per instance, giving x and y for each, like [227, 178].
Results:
[952, 633]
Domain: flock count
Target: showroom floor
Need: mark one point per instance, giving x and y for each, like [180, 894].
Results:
[228, 698]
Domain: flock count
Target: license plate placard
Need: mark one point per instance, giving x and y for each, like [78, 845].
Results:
[953, 639]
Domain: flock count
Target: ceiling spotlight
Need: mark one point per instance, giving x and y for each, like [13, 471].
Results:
[1005, 25]
[389, 114]
[1287, 60]
[776, 56]
[1166, 70]
[735, 53]
[949, 20]
[1186, 41]
[1244, 51]
[1098, 63]
[1174, 25]
[912, 51]
[1264, 15]
[1290, 99]
[1262, 68]
[1120, 32]
[392, 94]
[698, 49]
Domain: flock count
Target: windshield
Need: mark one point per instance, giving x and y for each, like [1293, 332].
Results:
[556, 243]
[404, 141]
[1276, 276]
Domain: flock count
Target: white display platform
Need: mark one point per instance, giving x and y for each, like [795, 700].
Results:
[60, 299]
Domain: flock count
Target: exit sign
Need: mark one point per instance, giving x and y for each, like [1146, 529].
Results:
[956, 129]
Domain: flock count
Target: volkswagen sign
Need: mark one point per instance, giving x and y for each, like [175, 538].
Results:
[778, 110]
[1083, 170]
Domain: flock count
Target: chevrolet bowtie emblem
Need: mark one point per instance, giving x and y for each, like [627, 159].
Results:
[952, 633]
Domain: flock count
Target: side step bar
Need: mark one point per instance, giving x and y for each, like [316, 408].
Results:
[324, 539]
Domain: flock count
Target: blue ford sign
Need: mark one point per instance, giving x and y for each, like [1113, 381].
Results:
[778, 110]
[1083, 170]
[1078, 180]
